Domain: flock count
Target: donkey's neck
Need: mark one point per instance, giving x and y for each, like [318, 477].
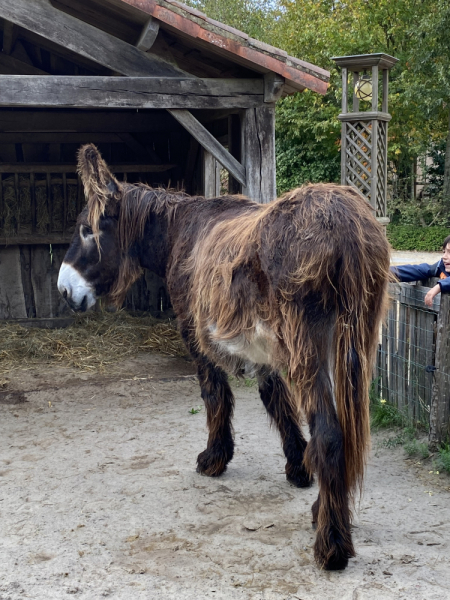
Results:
[162, 215]
[153, 248]
[173, 224]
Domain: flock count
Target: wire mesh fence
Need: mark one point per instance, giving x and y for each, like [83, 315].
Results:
[413, 361]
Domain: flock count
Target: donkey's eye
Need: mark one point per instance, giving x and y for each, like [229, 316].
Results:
[85, 231]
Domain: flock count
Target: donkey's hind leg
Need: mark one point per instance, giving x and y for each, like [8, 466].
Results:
[325, 456]
[276, 398]
[219, 404]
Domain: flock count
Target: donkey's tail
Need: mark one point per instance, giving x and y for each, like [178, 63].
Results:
[361, 302]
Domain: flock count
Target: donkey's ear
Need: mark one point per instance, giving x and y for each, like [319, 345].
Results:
[101, 188]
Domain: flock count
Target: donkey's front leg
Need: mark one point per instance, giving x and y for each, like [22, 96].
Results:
[277, 400]
[325, 456]
[219, 404]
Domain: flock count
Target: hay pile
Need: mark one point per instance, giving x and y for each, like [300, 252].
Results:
[93, 343]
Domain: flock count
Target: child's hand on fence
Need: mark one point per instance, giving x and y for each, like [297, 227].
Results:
[431, 294]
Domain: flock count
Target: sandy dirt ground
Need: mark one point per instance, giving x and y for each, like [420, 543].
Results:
[99, 498]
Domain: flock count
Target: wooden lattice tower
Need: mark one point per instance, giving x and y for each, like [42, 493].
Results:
[364, 132]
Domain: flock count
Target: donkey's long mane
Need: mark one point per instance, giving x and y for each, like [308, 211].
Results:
[137, 203]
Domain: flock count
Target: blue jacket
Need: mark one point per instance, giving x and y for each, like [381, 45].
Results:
[408, 273]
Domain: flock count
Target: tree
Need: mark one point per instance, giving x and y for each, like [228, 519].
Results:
[316, 31]
[254, 17]
[427, 77]
[417, 32]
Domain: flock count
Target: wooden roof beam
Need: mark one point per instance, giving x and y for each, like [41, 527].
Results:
[41, 18]
[61, 91]
[148, 35]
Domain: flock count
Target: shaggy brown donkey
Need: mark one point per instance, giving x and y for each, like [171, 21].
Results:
[295, 286]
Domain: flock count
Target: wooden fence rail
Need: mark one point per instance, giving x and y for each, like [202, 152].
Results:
[413, 362]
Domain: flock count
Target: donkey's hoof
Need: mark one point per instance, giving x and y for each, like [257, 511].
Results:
[333, 554]
[211, 463]
[299, 477]
[336, 562]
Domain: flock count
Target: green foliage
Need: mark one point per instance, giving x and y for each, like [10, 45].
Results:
[385, 415]
[414, 448]
[254, 17]
[412, 237]
[241, 381]
[307, 141]
[195, 410]
[444, 457]
[425, 211]
[300, 163]
[403, 437]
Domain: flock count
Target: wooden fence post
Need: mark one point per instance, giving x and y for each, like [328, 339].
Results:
[440, 402]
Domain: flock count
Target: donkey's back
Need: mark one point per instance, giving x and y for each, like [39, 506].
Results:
[258, 270]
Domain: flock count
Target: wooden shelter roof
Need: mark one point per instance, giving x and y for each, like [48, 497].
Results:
[236, 45]
[194, 42]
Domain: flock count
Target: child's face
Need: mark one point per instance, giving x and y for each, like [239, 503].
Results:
[446, 257]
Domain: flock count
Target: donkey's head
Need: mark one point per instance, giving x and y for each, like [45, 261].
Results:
[92, 263]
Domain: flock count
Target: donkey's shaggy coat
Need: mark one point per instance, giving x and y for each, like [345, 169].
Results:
[295, 286]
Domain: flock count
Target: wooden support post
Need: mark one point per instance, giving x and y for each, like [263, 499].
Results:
[234, 148]
[384, 105]
[211, 175]
[355, 97]
[344, 90]
[50, 199]
[258, 153]
[190, 166]
[65, 199]
[33, 203]
[375, 88]
[80, 195]
[374, 165]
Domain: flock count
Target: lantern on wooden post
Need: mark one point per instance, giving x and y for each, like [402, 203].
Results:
[364, 128]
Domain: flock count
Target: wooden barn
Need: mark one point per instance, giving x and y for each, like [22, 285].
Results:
[170, 97]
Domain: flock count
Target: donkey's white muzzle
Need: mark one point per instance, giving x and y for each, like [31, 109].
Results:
[77, 292]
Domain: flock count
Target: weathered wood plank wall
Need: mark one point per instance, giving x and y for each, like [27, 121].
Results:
[28, 277]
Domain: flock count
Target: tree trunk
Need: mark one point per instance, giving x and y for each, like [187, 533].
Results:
[446, 189]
